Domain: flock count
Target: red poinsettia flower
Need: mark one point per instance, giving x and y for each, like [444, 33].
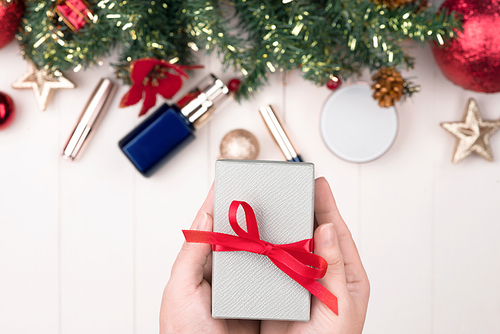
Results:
[151, 76]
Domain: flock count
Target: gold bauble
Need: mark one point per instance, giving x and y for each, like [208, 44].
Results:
[239, 144]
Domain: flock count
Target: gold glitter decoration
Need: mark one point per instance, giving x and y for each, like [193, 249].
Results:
[239, 144]
[473, 134]
[42, 83]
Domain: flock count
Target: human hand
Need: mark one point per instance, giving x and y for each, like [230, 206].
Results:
[186, 304]
[345, 277]
[187, 300]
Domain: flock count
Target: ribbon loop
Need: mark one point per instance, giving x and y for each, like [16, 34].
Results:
[294, 259]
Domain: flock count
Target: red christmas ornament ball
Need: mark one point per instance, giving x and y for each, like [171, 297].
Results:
[333, 83]
[472, 59]
[234, 85]
[10, 16]
[7, 110]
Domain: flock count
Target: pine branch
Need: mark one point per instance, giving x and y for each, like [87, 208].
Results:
[51, 44]
[319, 38]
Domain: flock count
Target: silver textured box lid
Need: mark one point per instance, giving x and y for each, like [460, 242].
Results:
[247, 285]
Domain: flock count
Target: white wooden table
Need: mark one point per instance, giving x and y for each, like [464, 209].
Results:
[87, 247]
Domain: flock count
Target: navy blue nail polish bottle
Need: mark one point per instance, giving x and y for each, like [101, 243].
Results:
[171, 127]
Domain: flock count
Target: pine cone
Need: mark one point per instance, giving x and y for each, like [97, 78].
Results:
[393, 4]
[388, 86]
[423, 5]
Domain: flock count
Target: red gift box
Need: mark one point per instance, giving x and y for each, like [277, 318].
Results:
[75, 13]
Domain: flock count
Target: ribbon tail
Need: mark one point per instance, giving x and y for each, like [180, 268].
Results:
[322, 293]
[313, 286]
[200, 237]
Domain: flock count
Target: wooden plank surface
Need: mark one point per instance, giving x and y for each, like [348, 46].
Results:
[86, 247]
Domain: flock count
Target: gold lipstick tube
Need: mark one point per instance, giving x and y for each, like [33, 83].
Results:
[279, 134]
[89, 119]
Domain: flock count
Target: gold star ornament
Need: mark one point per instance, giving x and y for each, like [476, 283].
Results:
[473, 134]
[43, 84]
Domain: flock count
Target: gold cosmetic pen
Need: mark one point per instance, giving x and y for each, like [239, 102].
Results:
[278, 132]
[89, 119]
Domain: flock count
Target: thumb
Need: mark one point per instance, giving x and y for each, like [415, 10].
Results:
[326, 245]
[189, 265]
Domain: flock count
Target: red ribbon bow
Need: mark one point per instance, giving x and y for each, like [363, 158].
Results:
[295, 259]
[151, 76]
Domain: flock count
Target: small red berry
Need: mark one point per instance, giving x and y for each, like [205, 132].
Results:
[333, 83]
[234, 85]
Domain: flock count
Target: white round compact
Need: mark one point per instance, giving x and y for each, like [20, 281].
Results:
[354, 127]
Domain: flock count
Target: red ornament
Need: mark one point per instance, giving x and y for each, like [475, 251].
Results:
[472, 60]
[75, 13]
[10, 16]
[234, 85]
[151, 76]
[333, 83]
[7, 110]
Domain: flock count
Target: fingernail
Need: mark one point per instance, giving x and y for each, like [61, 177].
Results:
[201, 223]
[328, 235]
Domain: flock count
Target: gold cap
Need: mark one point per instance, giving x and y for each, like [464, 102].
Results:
[212, 93]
